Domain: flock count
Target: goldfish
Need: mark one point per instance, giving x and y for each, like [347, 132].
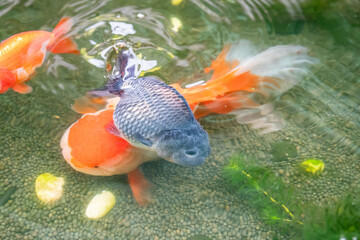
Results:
[22, 53]
[239, 75]
[153, 115]
[103, 154]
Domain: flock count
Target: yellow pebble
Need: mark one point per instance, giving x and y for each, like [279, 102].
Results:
[316, 167]
[176, 2]
[48, 188]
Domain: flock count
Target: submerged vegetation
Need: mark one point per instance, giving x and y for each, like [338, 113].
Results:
[277, 204]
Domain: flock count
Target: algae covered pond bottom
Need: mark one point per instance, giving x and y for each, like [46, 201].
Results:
[301, 182]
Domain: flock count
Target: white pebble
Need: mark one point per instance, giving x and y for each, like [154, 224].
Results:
[100, 205]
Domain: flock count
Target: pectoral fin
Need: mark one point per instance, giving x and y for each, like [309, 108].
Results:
[7, 79]
[111, 128]
[22, 88]
[143, 140]
[140, 187]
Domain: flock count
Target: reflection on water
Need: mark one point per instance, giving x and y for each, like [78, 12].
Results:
[321, 114]
[254, 9]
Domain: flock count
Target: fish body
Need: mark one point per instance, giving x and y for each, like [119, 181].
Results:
[22, 53]
[88, 148]
[154, 115]
[86, 155]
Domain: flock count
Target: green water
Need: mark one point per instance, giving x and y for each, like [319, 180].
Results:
[321, 113]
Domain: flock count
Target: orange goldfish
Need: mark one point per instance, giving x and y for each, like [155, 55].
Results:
[90, 149]
[22, 53]
[238, 75]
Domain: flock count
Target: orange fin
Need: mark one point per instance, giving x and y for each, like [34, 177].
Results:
[140, 187]
[7, 79]
[59, 43]
[244, 81]
[22, 88]
[240, 68]
[88, 104]
[226, 104]
[65, 45]
[63, 26]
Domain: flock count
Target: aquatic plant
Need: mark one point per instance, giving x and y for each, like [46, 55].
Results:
[338, 17]
[276, 202]
[338, 220]
[266, 191]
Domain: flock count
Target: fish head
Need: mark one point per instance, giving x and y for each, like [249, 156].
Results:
[186, 147]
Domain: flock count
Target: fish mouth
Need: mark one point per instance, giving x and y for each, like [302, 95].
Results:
[191, 152]
[189, 157]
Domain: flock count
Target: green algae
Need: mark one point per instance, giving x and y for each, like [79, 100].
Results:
[332, 220]
[283, 150]
[266, 191]
[339, 219]
[5, 197]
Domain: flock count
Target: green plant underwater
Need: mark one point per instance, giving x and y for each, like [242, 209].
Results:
[278, 206]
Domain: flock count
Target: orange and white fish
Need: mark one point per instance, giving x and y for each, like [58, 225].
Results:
[239, 74]
[22, 53]
[89, 148]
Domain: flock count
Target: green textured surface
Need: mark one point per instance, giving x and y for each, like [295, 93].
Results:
[321, 114]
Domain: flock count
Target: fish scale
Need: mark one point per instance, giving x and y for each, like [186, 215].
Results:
[159, 108]
[155, 116]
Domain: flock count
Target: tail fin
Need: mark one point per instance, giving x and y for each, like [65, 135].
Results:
[125, 67]
[88, 104]
[59, 43]
[7, 79]
[93, 101]
[244, 80]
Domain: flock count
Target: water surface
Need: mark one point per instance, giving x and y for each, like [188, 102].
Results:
[321, 114]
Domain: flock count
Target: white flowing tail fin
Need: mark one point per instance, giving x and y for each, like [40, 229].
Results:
[245, 81]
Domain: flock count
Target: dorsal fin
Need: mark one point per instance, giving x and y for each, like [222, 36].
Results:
[125, 68]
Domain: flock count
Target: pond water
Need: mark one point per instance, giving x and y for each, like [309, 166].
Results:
[252, 186]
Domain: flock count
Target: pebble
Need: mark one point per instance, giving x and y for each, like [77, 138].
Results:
[48, 188]
[100, 205]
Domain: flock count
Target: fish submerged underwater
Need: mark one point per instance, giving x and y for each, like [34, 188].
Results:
[22, 53]
[151, 114]
[239, 75]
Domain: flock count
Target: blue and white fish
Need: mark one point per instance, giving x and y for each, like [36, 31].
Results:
[153, 115]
